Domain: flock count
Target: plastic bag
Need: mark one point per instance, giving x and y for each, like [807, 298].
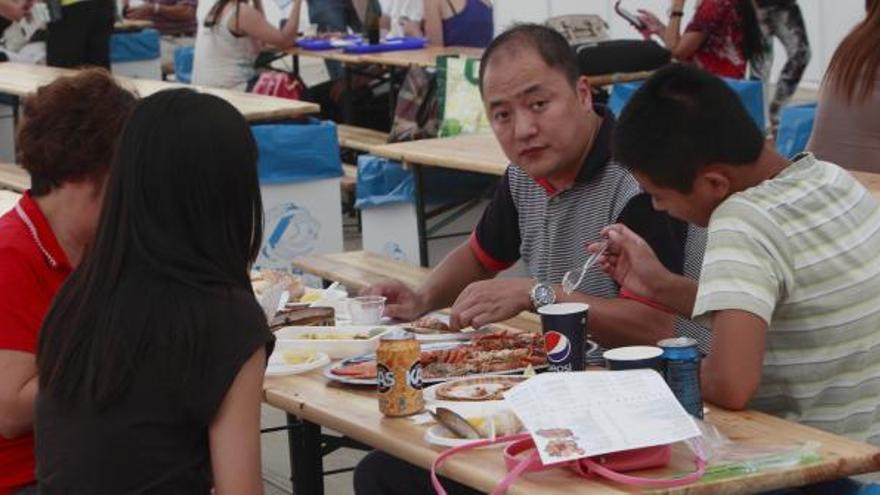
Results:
[461, 106]
[134, 46]
[297, 151]
[183, 63]
[728, 459]
[750, 93]
[795, 127]
[381, 182]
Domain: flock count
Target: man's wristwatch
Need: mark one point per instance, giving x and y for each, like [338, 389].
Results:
[542, 294]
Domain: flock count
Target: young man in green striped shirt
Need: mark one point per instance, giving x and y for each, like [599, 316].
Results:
[790, 282]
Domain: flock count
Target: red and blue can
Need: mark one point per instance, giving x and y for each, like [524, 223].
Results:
[681, 369]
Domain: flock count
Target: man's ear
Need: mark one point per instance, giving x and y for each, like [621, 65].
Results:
[714, 182]
[584, 93]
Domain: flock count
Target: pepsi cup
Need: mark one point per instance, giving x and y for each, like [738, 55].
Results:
[565, 335]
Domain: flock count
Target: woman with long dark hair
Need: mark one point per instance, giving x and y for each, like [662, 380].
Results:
[847, 128]
[722, 38]
[151, 358]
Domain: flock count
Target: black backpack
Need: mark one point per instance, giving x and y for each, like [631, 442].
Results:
[620, 56]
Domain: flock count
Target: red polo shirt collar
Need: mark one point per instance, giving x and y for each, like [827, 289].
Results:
[41, 233]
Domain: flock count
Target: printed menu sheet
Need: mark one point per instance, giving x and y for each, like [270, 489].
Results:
[575, 415]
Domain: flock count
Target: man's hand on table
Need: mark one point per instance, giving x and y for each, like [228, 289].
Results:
[489, 301]
[402, 303]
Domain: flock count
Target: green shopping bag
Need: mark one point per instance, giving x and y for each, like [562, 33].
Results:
[458, 92]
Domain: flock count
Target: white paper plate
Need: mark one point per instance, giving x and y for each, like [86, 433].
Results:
[440, 436]
[277, 367]
[430, 395]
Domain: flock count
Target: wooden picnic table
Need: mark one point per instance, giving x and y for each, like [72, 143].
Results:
[21, 80]
[353, 411]
[132, 24]
[396, 61]
[358, 270]
[479, 153]
[14, 178]
[423, 57]
[336, 54]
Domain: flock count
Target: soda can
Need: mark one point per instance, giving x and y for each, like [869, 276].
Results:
[399, 374]
[681, 357]
[565, 335]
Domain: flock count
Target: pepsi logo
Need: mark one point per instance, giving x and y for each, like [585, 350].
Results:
[558, 347]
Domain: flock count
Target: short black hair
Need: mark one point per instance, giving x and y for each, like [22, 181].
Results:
[550, 45]
[680, 120]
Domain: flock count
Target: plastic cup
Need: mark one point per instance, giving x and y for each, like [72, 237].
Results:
[366, 310]
[634, 357]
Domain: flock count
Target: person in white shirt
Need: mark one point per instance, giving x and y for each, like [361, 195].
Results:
[403, 17]
[229, 37]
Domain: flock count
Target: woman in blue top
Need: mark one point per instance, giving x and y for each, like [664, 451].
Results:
[459, 22]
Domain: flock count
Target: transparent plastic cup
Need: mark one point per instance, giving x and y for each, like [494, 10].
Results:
[366, 310]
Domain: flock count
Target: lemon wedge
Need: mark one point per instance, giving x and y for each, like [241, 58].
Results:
[311, 296]
[298, 357]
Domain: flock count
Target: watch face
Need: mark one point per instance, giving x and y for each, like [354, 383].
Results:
[544, 294]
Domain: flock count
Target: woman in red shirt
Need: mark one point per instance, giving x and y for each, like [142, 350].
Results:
[65, 143]
[722, 38]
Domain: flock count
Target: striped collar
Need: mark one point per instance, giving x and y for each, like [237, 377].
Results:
[38, 227]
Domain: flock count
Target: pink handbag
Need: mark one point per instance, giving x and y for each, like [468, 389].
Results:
[609, 465]
[280, 84]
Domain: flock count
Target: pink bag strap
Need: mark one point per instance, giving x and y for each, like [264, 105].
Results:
[594, 467]
[511, 476]
[584, 467]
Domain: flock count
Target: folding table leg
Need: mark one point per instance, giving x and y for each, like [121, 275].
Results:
[347, 104]
[420, 214]
[306, 463]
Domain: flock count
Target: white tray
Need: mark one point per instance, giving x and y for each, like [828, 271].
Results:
[335, 348]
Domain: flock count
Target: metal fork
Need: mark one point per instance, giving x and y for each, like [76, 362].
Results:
[569, 283]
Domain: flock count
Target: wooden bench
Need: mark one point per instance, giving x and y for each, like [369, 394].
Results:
[360, 269]
[14, 177]
[359, 138]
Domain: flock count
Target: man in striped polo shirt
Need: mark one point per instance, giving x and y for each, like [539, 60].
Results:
[560, 190]
[558, 193]
[791, 276]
